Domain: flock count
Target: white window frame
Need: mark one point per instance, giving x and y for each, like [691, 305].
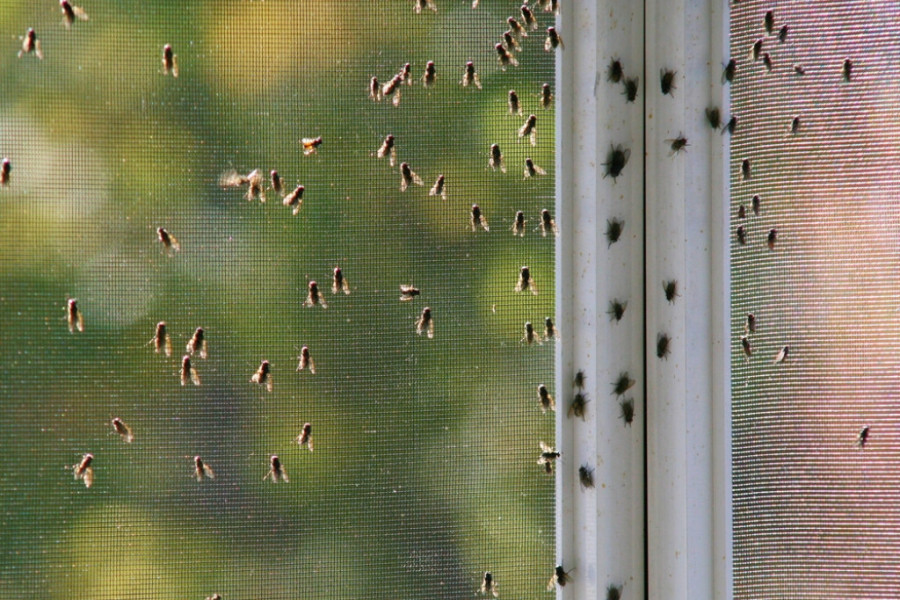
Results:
[665, 533]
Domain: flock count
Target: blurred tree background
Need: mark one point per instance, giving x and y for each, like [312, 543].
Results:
[424, 472]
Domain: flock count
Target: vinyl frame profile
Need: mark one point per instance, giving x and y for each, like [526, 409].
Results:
[658, 520]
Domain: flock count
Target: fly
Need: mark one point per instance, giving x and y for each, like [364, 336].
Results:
[560, 577]
[615, 71]
[84, 471]
[670, 289]
[667, 82]
[421, 5]
[528, 18]
[339, 283]
[70, 13]
[579, 380]
[504, 57]
[614, 229]
[74, 316]
[197, 343]
[631, 88]
[430, 74]
[756, 49]
[438, 188]
[586, 476]
[470, 76]
[516, 28]
[488, 585]
[677, 144]
[425, 323]
[548, 456]
[526, 282]
[305, 437]
[546, 96]
[311, 145]
[188, 372]
[306, 361]
[161, 340]
[782, 355]
[579, 403]
[622, 384]
[616, 159]
[253, 181]
[529, 129]
[374, 90]
[31, 45]
[714, 117]
[388, 149]
[407, 177]
[201, 470]
[545, 399]
[550, 330]
[295, 199]
[553, 41]
[616, 309]
[169, 242]
[263, 375]
[663, 342]
[728, 71]
[515, 108]
[626, 411]
[313, 297]
[496, 160]
[531, 169]
[169, 61]
[276, 471]
[510, 42]
[5, 170]
[518, 226]
[476, 219]
[530, 336]
[276, 182]
[862, 437]
[123, 430]
[771, 238]
[406, 74]
[408, 292]
[548, 224]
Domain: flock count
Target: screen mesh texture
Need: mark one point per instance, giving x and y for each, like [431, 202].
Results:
[815, 379]
[424, 470]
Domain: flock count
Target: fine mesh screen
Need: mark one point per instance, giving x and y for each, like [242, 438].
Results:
[815, 492]
[424, 472]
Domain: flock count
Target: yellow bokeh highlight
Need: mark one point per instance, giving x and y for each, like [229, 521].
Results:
[263, 47]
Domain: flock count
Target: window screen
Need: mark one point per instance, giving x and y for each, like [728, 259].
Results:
[814, 254]
[424, 472]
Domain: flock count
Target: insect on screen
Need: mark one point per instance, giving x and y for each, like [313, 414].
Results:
[815, 303]
[219, 380]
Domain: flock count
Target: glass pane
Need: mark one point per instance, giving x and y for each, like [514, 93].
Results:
[424, 472]
[815, 375]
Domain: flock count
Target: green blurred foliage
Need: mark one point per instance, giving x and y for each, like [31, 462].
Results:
[424, 471]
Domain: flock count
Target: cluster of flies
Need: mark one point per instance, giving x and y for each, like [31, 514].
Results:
[758, 53]
[511, 43]
[257, 187]
[196, 346]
